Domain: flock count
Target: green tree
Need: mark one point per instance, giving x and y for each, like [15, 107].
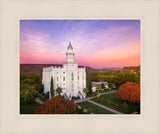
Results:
[46, 95]
[40, 88]
[51, 87]
[86, 90]
[102, 86]
[89, 83]
[110, 84]
[27, 81]
[98, 87]
[28, 94]
[36, 78]
[123, 77]
[59, 91]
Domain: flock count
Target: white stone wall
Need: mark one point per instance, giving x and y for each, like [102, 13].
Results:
[46, 78]
[62, 77]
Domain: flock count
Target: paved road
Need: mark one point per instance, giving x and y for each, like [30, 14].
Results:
[105, 107]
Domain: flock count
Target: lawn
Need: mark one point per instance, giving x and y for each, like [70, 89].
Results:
[95, 109]
[29, 109]
[105, 91]
[114, 100]
[79, 111]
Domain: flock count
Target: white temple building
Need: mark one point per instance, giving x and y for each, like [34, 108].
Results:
[69, 77]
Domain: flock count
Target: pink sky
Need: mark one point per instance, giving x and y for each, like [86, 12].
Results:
[96, 43]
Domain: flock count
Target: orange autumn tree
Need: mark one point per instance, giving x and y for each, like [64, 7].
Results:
[57, 105]
[129, 92]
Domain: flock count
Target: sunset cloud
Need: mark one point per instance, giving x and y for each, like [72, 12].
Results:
[96, 43]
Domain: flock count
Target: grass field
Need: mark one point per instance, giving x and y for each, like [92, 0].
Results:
[113, 99]
[28, 109]
[95, 109]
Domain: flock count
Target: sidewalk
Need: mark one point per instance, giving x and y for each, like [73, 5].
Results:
[38, 101]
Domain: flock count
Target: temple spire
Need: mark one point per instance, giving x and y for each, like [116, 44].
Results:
[70, 53]
[70, 46]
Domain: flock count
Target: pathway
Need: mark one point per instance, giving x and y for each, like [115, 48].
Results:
[102, 106]
[80, 100]
[105, 107]
[38, 101]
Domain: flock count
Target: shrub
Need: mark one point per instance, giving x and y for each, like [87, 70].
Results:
[77, 105]
[102, 98]
[59, 91]
[129, 92]
[125, 106]
[82, 107]
[116, 104]
[57, 105]
[89, 110]
[109, 101]
[74, 97]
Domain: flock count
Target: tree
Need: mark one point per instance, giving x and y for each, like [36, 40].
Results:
[28, 94]
[89, 85]
[98, 87]
[51, 88]
[59, 91]
[36, 78]
[57, 105]
[123, 77]
[46, 95]
[129, 92]
[40, 88]
[27, 81]
[102, 86]
[86, 90]
[110, 85]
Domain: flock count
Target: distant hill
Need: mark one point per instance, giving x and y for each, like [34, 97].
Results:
[34, 68]
[89, 69]
[38, 68]
[113, 69]
[131, 68]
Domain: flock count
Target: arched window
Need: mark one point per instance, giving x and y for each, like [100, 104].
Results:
[72, 76]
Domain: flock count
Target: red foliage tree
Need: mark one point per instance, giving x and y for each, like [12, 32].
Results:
[129, 92]
[57, 105]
